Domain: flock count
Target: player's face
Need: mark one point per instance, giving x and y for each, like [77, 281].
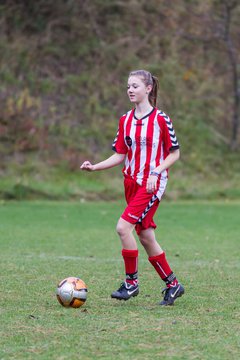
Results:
[136, 89]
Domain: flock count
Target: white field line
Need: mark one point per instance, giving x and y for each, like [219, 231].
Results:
[196, 262]
[77, 258]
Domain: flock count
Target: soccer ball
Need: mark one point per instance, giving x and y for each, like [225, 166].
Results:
[72, 292]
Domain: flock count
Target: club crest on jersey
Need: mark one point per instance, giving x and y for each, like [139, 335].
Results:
[128, 141]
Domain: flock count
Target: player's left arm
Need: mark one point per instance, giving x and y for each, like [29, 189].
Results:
[172, 147]
[172, 157]
[170, 143]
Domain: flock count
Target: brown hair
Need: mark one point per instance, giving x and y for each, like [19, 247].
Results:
[148, 79]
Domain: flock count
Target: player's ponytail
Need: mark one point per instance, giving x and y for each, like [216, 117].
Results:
[153, 94]
[148, 79]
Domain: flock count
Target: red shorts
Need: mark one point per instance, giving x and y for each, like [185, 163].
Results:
[141, 206]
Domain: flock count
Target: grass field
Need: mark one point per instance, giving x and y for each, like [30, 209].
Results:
[44, 242]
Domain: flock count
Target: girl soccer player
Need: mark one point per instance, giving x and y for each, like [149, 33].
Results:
[147, 144]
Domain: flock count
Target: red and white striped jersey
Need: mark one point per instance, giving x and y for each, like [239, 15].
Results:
[146, 143]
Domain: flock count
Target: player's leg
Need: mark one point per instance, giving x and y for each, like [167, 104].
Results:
[148, 240]
[157, 258]
[129, 287]
[138, 199]
[156, 255]
[125, 232]
[124, 229]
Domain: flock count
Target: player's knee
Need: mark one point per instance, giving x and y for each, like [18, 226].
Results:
[122, 228]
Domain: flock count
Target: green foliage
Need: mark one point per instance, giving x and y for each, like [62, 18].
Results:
[64, 67]
[41, 243]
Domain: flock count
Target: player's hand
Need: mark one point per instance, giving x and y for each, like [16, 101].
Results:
[87, 166]
[151, 183]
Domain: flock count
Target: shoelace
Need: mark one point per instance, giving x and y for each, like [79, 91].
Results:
[122, 286]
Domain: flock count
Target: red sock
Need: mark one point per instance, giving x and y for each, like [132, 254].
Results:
[131, 265]
[163, 269]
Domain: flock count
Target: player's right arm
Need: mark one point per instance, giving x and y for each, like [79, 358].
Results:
[114, 160]
[117, 158]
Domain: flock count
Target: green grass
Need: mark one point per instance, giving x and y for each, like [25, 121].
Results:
[43, 242]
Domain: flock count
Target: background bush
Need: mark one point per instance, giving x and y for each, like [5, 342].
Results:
[63, 72]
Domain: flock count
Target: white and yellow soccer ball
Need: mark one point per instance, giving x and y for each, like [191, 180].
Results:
[72, 292]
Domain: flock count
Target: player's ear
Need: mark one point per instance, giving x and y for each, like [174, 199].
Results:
[149, 89]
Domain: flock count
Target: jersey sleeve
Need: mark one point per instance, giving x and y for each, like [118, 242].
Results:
[168, 133]
[119, 145]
